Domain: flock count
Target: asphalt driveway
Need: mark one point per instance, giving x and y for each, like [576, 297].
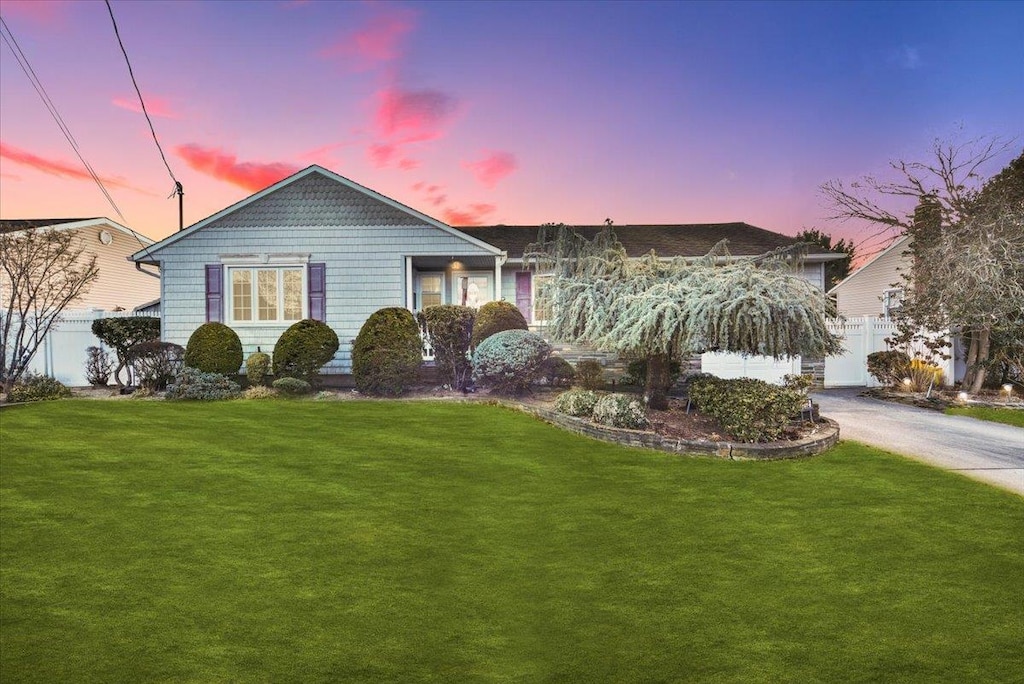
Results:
[987, 451]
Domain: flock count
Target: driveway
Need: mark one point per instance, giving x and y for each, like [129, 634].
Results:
[986, 451]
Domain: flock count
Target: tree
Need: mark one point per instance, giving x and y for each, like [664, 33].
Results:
[836, 270]
[42, 272]
[967, 249]
[659, 310]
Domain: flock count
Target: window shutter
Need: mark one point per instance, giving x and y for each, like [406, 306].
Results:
[215, 293]
[318, 292]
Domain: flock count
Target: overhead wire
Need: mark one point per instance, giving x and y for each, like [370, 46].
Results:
[22, 59]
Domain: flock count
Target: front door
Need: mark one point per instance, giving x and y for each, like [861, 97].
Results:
[524, 294]
[473, 289]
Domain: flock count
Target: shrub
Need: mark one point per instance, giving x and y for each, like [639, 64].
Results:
[750, 410]
[259, 392]
[800, 383]
[889, 367]
[387, 353]
[325, 395]
[97, 366]
[621, 411]
[303, 350]
[123, 333]
[510, 361]
[257, 368]
[194, 384]
[292, 387]
[636, 373]
[496, 317]
[214, 348]
[923, 375]
[156, 363]
[589, 375]
[36, 387]
[558, 372]
[577, 402]
[450, 329]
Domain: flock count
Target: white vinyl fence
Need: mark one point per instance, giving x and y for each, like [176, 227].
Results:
[62, 354]
[863, 336]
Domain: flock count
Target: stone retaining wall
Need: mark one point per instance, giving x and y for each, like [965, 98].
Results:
[826, 438]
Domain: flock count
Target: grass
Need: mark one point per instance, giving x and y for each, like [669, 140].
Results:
[996, 415]
[375, 541]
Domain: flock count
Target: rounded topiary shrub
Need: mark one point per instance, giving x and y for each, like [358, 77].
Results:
[589, 375]
[577, 402]
[257, 368]
[510, 361]
[558, 372]
[303, 349]
[495, 317]
[621, 411]
[156, 363]
[387, 353]
[292, 387]
[214, 348]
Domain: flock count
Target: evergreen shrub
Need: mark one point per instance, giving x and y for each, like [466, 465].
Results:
[496, 317]
[750, 410]
[450, 329]
[589, 375]
[123, 333]
[558, 372]
[97, 366]
[257, 368]
[196, 385]
[889, 367]
[156, 363]
[214, 348]
[303, 349]
[292, 387]
[37, 387]
[260, 392]
[387, 353]
[621, 411]
[577, 402]
[510, 361]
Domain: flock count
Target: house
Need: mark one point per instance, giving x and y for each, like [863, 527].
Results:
[120, 285]
[876, 288]
[318, 245]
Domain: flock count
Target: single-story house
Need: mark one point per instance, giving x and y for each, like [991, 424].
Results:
[120, 285]
[318, 245]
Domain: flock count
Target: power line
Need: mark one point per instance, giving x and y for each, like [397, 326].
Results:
[141, 101]
[30, 73]
[26, 67]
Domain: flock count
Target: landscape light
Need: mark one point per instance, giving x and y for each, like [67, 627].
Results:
[962, 396]
[907, 381]
[1007, 388]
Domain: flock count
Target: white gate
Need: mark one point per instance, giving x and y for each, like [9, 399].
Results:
[863, 336]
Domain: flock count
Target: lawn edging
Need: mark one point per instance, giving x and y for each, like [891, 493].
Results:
[805, 447]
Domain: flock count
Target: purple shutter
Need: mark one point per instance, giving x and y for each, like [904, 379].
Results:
[215, 293]
[523, 291]
[318, 292]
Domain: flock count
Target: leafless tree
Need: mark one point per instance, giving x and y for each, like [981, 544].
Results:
[42, 272]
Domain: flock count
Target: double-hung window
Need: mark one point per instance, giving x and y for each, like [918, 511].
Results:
[266, 294]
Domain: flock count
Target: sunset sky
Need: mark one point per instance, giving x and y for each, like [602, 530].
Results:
[491, 112]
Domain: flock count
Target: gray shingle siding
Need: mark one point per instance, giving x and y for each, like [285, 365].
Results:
[361, 240]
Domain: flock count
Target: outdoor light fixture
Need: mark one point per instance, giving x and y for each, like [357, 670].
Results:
[907, 381]
[962, 396]
[1008, 388]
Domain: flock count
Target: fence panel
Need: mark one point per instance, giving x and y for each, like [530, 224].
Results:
[863, 336]
[62, 354]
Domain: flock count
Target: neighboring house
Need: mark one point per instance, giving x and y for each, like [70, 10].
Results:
[876, 288]
[317, 245]
[120, 285]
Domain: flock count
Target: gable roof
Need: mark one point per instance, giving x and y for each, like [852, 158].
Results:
[394, 204]
[15, 225]
[897, 243]
[686, 240]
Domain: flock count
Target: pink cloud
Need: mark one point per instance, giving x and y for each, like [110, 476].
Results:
[413, 115]
[323, 155]
[225, 166]
[50, 13]
[379, 41]
[473, 216]
[494, 166]
[407, 164]
[54, 167]
[156, 106]
[381, 154]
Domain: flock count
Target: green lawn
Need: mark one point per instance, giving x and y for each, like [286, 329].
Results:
[996, 415]
[372, 541]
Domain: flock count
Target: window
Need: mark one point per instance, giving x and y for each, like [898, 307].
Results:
[541, 302]
[266, 294]
[430, 289]
[892, 299]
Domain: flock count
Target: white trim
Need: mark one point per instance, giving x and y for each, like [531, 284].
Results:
[229, 294]
[897, 243]
[491, 249]
[408, 283]
[264, 259]
[418, 288]
[92, 223]
[496, 288]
